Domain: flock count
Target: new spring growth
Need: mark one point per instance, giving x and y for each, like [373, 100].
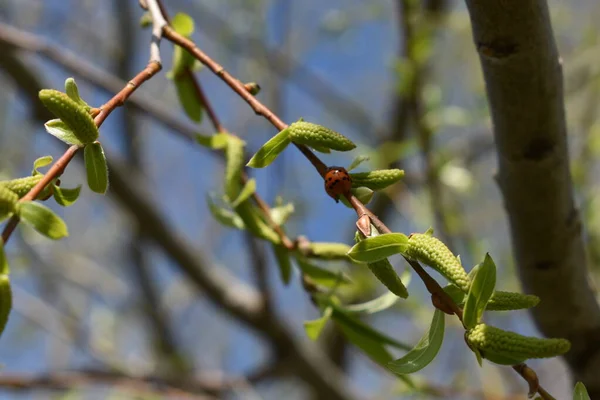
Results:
[384, 271]
[318, 136]
[8, 202]
[495, 344]
[328, 251]
[377, 180]
[5, 300]
[73, 114]
[431, 251]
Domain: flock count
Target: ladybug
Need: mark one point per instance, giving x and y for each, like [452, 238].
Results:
[337, 182]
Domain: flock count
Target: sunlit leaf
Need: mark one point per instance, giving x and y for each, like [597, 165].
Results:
[40, 163]
[381, 303]
[314, 327]
[186, 92]
[425, 351]
[96, 168]
[61, 131]
[378, 247]
[215, 142]
[43, 220]
[65, 197]
[224, 216]
[247, 191]
[480, 292]
[270, 150]
[357, 161]
[3, 260]
[580, 392]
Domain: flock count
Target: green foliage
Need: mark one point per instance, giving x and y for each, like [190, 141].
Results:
[379, 304]
[378, 247]
[377, 180]
[73, 92]
[42, 219]
[580, 392]
[480, 292]
[425, 351]
[4, 269]
[96, 167]
[8, 202]
[270, 150]
[322, 276]
[217, 141]
[5, 301]
[282, 255]
[314, 328]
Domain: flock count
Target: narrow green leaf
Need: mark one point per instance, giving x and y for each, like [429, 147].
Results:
[61, 131]
[73, 92]
[314, 328]
[457, 295]
[363, 329]
[379, 304]
[425, 351]
[364, 194]
[3, 260]
[322, 276]
[370, 345]
[283, 261]
[224, 216]
[580, 392]
[378, 247]
[357, 161]
[43, 220]
[480, 292]
[96, 168]
[186, 92]
[247, 191]
[5, 301]
[216, 142]
[270, 150]
[40, 163]
[65, 197]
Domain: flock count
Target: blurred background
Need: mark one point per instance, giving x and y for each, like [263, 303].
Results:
[400, 78]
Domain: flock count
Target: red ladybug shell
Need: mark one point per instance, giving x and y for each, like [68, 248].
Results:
[337, 182]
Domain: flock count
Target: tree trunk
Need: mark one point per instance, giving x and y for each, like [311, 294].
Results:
[523, 75]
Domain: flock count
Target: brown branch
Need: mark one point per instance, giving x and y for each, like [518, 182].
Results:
[59, 166]
[260, 109]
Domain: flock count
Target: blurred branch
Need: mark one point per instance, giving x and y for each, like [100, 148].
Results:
[523, 76]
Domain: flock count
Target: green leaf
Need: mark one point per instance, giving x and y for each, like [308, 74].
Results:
[357, 161]
[215, 142]
[40, 163]
[480, 292]
[186, 92]
[369, 344]
[224, 216]
[73, 92]
[321, 149]
[43, 220]
[381, 303]
[96, 168]
[234, 166]
[3, 260]
[283, 261]
[281, 214]
[183, 24]
[314, 328]
[457, 295]
[378, 247]
[580, 392]
[425, 351]
[247, 191]
[322, 276]
[270, 150]
[66, 197]
[61, 131]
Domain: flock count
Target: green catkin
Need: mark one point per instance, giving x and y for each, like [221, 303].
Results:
[8, 202]
[318, 136]
[234, 166]
[376, 180]
[5, 301]
[510, 344]
[505, 301]
[431, 251]
[22, 186]
[73, 114]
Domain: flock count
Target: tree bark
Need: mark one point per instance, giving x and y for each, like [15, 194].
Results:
[523, 76]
